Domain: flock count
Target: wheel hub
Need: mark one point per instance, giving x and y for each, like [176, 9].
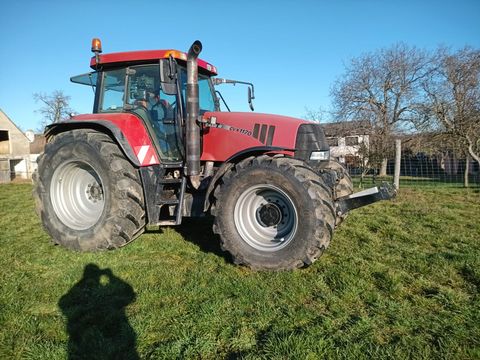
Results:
[94, 192]
[269, 215]
[76, 194]
[266, 217]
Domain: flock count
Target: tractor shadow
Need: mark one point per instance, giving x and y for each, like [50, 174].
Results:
[199, 231]
[97, 325]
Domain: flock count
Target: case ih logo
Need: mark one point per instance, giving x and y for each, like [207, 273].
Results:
[212, 122]
[260, 132]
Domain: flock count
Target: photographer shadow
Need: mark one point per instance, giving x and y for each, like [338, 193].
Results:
[97, 324]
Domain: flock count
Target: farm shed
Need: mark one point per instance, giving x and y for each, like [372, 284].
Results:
[14, 151]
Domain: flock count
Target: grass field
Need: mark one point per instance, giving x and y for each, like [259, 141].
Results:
[400, 280]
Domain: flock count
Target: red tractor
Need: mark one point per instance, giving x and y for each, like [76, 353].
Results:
[157, 148]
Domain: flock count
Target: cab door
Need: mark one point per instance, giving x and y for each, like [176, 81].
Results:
[158, 110]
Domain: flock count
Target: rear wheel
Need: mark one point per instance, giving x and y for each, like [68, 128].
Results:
[273, 213]
[88, 195]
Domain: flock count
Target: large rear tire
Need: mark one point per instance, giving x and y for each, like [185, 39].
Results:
[88, 196]
[273, 213]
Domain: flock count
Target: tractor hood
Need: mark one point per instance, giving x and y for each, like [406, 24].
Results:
[226, 134]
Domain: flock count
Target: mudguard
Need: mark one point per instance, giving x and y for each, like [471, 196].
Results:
[126, 129]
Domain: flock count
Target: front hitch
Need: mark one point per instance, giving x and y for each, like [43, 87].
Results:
[366, 197]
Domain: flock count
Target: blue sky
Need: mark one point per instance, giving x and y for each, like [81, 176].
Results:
[291, 50]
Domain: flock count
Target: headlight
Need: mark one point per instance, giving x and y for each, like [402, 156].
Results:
[320, 155]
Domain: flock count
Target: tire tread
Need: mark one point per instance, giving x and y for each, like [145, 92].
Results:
[320, 194]
[126, 219]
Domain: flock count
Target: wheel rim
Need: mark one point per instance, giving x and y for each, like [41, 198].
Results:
[265, 217]
[76, 193]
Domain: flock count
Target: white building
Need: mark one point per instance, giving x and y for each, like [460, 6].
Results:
[347, 140]
[14, 151]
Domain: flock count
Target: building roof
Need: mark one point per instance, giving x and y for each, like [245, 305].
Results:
[346, 128]
[4, 117]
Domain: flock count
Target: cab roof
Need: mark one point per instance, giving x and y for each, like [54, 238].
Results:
[149, 55]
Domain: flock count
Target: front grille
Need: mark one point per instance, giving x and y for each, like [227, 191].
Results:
[310, 137]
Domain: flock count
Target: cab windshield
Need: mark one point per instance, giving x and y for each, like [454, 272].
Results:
[207, 102]
[205, 91]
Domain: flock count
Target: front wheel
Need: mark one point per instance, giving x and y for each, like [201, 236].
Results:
[273, 213]
[88, 196]
[343, 186]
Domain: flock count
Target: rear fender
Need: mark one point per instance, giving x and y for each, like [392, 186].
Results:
[99, 125]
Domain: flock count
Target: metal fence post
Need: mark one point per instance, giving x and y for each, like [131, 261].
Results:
[398, 157]
[467, 170]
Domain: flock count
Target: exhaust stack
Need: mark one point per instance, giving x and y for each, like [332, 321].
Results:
[192, 128]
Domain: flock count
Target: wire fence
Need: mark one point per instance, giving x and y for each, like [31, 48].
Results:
[419, 169]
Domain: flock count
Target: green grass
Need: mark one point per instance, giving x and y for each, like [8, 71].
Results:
[400, 280]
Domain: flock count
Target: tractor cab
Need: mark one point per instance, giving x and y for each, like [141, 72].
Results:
[151, 85]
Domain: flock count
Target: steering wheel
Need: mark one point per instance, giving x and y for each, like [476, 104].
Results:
[140, 104]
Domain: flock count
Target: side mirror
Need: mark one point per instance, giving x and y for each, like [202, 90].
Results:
[168, 77]
[251, 93]
[251, 96]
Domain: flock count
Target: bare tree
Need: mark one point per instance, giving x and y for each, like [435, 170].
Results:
[383, 88]
[55, 107]
[315, 115]
[453, 98]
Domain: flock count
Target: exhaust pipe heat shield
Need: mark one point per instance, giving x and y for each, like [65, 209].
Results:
[192, 128]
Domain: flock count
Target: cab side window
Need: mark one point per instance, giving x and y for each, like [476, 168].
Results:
[113, 91]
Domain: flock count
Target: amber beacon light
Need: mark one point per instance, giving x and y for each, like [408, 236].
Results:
[96, 46]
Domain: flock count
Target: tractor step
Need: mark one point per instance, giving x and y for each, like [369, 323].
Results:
[177, 220]
[171, 181]
[172, 222]
[163, 191]
[176, 165]
[168, 202]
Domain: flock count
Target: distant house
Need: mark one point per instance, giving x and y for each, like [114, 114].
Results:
[15, 160]
[346, 139]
